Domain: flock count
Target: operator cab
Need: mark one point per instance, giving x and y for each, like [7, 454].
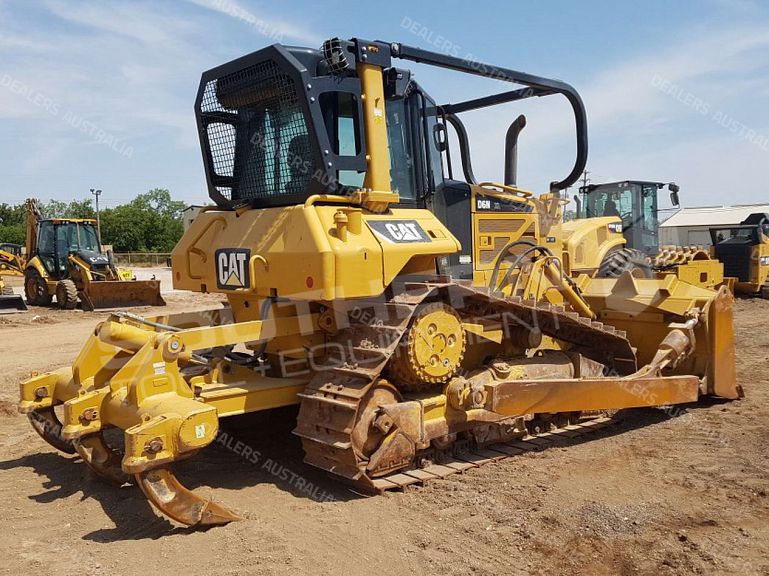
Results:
[285, 124]
[14, 249]
[634, 202]
[266, 145]
[58, 239]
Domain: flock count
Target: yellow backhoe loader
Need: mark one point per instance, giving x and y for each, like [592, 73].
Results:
[424, 323]
[65, 260]
[11, 264]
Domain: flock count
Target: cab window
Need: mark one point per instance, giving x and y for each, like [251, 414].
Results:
[403, 155]
[433, 138]
[340, 111]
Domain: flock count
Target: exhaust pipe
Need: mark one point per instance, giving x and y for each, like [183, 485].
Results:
[511, 150]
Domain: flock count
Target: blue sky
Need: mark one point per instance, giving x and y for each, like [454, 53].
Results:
[100, 94]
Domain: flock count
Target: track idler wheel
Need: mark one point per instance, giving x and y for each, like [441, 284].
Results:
[180, 504]
[47, 424]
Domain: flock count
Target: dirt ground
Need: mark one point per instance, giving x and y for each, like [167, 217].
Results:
[651, 495]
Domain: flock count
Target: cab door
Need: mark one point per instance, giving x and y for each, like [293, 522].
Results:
[47, 248]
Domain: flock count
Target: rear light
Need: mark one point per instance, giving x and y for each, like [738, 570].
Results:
[615, 227]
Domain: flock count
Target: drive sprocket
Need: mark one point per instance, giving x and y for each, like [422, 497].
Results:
[432, 349]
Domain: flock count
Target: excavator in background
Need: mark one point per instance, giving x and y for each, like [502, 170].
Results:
[11, 264]
[65, 260]
[422, 322]
[744, 252]
[630, 207]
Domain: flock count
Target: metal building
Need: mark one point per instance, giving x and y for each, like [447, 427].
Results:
[691, 226]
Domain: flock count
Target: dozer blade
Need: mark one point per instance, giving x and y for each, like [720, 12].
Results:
[12, 303]
[177, 502]
[121, 294]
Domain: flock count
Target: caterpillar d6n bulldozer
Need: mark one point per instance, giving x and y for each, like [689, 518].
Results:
[65, 260]
[423, 323]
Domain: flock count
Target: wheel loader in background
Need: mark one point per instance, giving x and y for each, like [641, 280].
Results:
[630, 207]
[744, 252]
[11, 264]
[423, 324]
[65, 260]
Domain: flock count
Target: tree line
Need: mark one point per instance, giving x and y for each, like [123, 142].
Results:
[151, 222]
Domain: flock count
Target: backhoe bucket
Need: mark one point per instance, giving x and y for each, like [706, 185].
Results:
[121, 294]
[12, 303]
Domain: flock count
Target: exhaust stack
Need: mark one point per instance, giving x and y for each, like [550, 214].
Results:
[511, 150]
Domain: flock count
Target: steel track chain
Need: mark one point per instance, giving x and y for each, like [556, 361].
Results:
[332, 401]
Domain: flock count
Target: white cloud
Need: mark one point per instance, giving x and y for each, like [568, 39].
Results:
[130, 71]
[139, 21]
[627, 114]
[275, 28]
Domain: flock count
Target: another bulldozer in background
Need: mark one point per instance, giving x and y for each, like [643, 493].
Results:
[11, 264]
[423, 323]
[630, 209]
[744, 252]
[65, 260]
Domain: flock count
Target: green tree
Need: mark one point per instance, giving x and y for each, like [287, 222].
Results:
[151, 222]
[12, 223]
[159, 200]
[122, 227]
[81, 209]
[53, 209]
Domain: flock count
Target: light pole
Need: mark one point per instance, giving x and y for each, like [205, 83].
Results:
[97, 193]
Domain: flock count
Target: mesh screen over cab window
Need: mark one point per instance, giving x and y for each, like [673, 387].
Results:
[256, 134]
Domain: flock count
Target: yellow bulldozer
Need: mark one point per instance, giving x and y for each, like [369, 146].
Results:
[65, 260]
[423, 323]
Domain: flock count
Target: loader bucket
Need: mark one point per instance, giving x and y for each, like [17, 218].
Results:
[12, 303]
[121, 294]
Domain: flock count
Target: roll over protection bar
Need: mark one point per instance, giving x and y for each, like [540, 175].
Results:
[535, 86]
